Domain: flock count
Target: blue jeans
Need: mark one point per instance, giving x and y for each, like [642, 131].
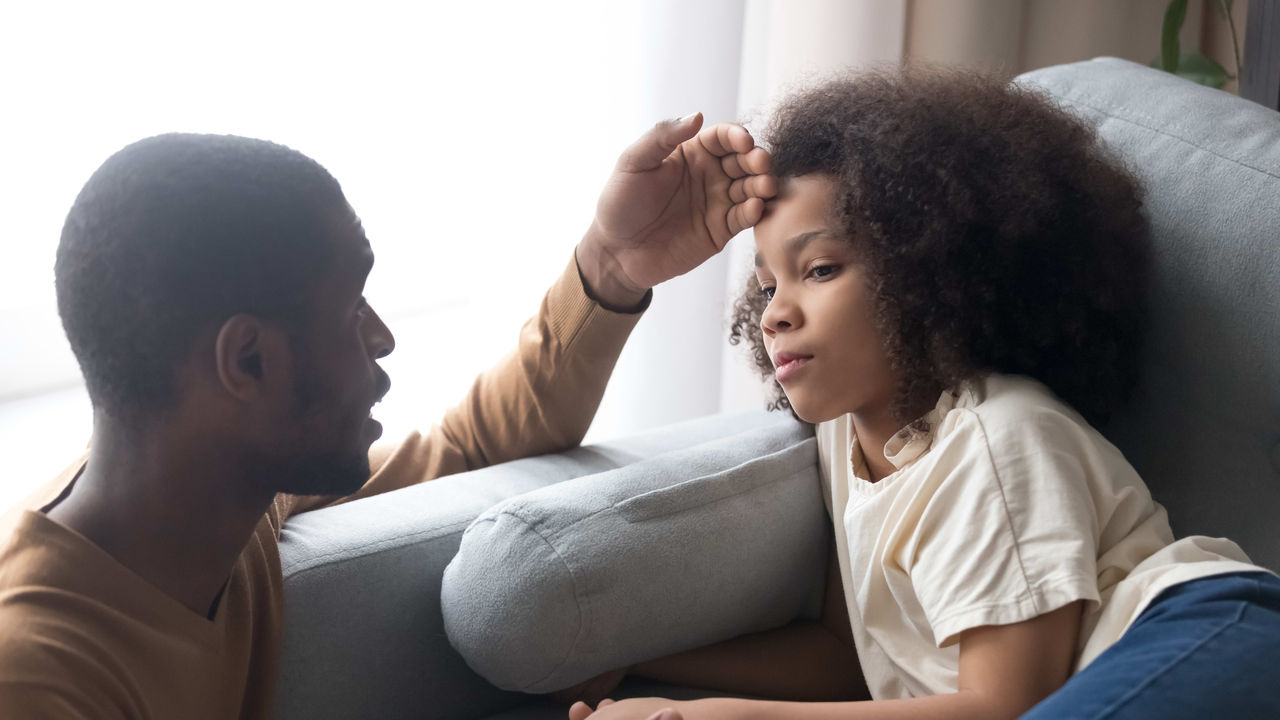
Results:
[1207, 648]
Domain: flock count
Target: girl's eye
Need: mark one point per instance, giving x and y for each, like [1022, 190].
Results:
[767, 292]
[822, 271]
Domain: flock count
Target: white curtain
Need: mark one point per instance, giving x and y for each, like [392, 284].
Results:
[471, 137]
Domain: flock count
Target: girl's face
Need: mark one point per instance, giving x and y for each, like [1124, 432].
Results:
[818, 326]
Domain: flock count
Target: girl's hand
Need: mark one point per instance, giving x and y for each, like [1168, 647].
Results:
[674, 199]
[634, 709]
[591, 691]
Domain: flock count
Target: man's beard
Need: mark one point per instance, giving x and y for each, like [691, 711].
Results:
[324, 473]
[318, 471]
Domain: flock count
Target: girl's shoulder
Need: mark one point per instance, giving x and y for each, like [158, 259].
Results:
[1014, 409]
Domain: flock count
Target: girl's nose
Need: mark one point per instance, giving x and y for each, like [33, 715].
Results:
[779, 315]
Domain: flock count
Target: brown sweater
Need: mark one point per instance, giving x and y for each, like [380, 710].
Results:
[81, 636]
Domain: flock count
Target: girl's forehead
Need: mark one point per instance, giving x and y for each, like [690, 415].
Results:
[799, 215]
[800, 199]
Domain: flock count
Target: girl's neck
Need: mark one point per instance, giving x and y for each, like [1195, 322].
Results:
[873, 431]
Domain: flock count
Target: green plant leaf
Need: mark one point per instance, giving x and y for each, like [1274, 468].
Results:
[1200, 69]
[1174, 16]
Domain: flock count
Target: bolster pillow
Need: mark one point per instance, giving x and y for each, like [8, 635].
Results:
[685, 549]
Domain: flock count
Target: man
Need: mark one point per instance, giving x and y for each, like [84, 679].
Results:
[212, 290]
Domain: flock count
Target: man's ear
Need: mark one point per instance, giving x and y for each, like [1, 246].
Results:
[251, 356]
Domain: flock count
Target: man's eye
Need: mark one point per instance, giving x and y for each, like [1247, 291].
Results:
[362, 307]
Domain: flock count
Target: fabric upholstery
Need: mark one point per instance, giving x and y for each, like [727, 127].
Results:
[689, 548]
[1205, 431]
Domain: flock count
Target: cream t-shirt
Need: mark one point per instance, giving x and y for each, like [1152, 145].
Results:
[1008, 506]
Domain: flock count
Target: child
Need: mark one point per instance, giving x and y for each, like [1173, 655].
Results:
[950, 284]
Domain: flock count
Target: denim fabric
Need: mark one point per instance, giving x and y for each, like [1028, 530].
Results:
[1207, 648]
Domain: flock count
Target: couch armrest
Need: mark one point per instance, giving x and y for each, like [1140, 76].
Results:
[363, 634]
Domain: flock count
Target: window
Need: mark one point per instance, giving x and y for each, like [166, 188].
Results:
[471, 137]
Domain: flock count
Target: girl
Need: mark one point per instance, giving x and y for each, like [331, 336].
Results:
[950, 284]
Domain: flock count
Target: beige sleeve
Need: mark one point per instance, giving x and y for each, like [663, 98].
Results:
[540, 398]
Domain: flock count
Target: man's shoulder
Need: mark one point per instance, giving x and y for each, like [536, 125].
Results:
[43, 634]
[60, 643]
[50, 667]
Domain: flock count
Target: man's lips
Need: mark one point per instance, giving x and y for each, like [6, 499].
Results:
[787, 364]
[384, 386]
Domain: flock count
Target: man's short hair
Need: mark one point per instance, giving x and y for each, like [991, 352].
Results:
[171, 236]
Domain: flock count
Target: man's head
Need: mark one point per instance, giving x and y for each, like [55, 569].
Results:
[228, 272]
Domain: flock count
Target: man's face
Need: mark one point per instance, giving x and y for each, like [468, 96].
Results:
[337, 378]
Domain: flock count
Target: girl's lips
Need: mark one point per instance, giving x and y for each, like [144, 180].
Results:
[788, 365]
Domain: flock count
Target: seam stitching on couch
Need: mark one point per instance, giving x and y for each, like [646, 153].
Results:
[381, 545]
[744, 488]
[761, 485]
[578, 597]
[615, 506]
[1133, 117]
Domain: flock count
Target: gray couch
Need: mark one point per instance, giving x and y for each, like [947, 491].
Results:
[723, 513]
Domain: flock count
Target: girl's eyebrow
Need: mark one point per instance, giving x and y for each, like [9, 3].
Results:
[795, 243]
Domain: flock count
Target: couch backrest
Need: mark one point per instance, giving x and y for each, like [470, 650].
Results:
[1205, 429]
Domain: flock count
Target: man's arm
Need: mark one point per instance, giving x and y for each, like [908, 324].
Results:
[675, 198]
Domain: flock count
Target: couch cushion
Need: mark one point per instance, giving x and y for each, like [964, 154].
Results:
[1205, 430]
[561, 584]
[362, 629]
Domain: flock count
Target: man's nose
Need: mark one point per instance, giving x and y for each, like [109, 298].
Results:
[380, 341]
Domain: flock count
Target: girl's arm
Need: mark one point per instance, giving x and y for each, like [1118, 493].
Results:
[806, 660]
[1004, 671]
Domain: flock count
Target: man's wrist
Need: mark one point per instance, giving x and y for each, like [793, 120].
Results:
[602, 277]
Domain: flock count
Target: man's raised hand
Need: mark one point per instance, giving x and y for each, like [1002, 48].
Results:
[675, 198]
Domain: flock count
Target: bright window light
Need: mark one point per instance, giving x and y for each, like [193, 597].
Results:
[472, 138]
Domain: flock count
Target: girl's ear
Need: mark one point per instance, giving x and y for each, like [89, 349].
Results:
[251, 357]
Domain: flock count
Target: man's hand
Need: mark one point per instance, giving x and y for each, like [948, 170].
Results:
[674, 200]
[635, 709]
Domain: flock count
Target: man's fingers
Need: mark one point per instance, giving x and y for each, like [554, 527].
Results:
[744, 215]
[666, 714]
[604, 703]
[755, 162]
[726, 138]
[579, 711]
[759, 186]
[729, 163]
[654, 146]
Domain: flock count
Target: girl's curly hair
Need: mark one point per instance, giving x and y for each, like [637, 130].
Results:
[998, 234]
